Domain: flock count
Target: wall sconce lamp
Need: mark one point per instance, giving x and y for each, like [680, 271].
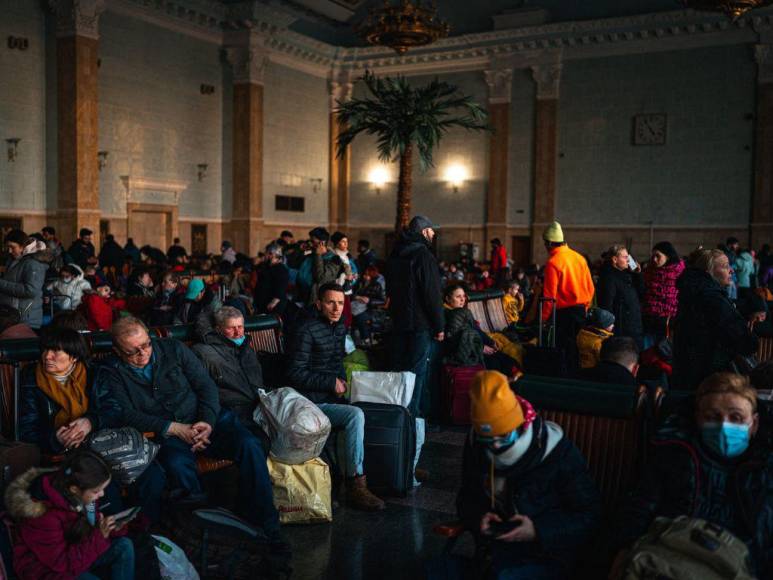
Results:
[378, 178]
[316, 183]
[102, 159]
[13, 148]
[202, 171]
[456, 175]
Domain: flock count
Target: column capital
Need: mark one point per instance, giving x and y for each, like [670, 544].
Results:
[548, 80]
[247, 54]
[77, 17]
[500, 83]
[340, 87]
[763, 56]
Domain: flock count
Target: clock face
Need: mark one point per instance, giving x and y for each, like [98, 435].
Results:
[649, 129]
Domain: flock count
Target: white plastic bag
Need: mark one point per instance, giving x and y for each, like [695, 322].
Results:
[174, 563]
[297, 428]
[388, 388]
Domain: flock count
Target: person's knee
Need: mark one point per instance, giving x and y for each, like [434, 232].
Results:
[355, 417]
[124, 548]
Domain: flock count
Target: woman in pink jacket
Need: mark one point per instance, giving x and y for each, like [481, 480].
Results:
[660, 295]
[61, 535]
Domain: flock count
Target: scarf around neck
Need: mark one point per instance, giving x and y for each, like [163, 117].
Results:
[70, 396]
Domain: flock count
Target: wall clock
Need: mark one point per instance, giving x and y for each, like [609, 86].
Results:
[649, 129]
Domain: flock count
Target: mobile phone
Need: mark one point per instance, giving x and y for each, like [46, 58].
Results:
[632, 263]
[499, 528]
[126, 516]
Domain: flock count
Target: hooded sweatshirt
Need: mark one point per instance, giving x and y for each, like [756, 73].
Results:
[71, 292]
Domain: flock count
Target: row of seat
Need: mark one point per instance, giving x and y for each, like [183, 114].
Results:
[487, 309]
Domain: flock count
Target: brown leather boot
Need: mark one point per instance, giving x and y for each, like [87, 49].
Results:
[359, 496]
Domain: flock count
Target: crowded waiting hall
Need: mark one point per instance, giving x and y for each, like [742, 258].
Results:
[386, 289]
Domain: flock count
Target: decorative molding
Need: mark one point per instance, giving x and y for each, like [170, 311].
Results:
[547, 78]
[132, 185]
[340, 87]
[77, 17]
[246, 52]
[500, 84]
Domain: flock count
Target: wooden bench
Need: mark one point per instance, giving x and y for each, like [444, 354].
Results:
[765, 349]
[264, 332]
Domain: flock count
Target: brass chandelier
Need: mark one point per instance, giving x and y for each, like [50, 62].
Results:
[733, 8]
[403, 26]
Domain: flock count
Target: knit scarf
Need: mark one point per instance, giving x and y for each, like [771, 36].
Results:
[70, 396]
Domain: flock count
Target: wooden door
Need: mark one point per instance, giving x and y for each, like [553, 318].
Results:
[150, 228]
[198, 239]
[521, 251]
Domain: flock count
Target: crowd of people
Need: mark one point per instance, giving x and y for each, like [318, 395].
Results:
[689, 323]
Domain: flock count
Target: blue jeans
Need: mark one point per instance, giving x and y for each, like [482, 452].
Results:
[117, 563]
[411, 351]
[352, 420]
[230, 440]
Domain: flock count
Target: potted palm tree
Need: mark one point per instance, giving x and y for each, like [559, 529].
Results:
[404, 118]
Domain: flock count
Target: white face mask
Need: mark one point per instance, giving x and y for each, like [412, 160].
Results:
[67, 280]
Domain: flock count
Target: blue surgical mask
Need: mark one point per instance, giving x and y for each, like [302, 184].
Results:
[499, 444]
[238, 341]
[726, 439]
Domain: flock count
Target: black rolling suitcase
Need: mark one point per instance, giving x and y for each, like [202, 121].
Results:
[390, 445]
[550, 360]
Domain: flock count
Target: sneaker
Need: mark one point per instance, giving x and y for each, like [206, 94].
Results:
[359, 496]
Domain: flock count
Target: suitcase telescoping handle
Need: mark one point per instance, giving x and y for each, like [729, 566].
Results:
[552, 335]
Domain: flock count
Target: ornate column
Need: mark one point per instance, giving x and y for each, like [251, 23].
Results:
[761, 211]
[248, 57]
[340, 87]
[499, 81]
[547, 78]
[77, 30]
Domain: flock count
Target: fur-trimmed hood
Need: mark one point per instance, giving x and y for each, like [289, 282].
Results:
[18, 497]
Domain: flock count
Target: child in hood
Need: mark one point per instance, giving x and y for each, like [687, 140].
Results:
[100, 307]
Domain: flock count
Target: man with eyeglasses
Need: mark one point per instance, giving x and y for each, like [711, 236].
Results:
[162, 387]
[525, 489]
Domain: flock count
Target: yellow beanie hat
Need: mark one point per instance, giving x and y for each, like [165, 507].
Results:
[554, 233]
[494, 410]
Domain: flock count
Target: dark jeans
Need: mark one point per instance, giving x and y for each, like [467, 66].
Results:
[146, 492]
[230, 440]
[569, 321]
[117, 563]
[362, 323]
[411, 351]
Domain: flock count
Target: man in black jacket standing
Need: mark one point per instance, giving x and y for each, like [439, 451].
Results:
[415, 302]
[317, 371]
[162, 387]
[82, 251]
[620, 290]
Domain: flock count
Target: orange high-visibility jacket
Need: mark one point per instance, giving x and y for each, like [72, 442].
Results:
[567, 279]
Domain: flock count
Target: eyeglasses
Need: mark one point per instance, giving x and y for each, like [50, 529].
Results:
[138, 352]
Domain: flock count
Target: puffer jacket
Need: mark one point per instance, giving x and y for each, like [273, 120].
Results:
[620, 292]
[317, 359]
[71, 293]
[550, 484]
[21, 285]
[463, 344]
[37, 413]
[683, 478]
[181, 391]
[744, 269]
[413, 286]
[44, 517]
[708, 331]
[235, 370]
[661, 296]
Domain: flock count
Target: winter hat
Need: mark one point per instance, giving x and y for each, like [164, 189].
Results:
[600, 318]
[337, 237]
[554, 233]
[195, 287]
[494, 409]
[420, 223]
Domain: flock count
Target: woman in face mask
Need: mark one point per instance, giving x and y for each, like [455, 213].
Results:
[68, 289]
[716, 465]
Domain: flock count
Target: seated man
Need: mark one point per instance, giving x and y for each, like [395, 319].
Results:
[234, 366]
[539, 482]
[711, 462]
[317, 371]
[619, 363]
[162, 387]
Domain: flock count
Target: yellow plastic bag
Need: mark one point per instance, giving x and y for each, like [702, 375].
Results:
[302, 493]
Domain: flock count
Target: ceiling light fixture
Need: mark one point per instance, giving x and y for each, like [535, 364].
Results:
[405, 25]
[733, 8]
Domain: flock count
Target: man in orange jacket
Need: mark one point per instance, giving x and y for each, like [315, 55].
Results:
[569, 283]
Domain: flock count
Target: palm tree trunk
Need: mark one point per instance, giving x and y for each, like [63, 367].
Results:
[404, 186]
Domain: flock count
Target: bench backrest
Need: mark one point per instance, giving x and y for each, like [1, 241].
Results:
[605, 422]
[765, 349]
